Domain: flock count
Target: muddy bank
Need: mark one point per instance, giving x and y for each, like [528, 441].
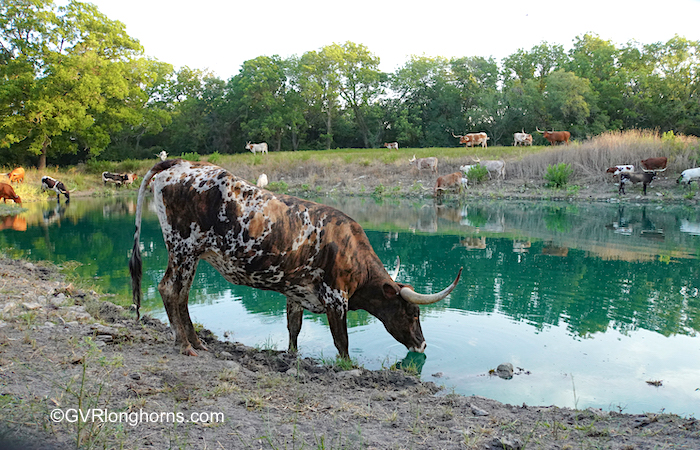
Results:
[66, 351]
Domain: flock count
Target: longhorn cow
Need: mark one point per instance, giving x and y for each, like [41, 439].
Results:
[472, 139]
[315, 255]
[555, 136]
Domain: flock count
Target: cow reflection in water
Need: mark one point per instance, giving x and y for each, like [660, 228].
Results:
[54, 214]
[554, 250]
[16, 222]
[412, 363]
[472, 243]
[122, 207]
[520, 246]
[426, 222]
[626, 225]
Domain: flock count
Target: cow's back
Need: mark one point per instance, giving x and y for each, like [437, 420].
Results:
[253, 237]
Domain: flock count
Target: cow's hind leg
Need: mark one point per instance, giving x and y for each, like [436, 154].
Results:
[174, 288]
[295, 314]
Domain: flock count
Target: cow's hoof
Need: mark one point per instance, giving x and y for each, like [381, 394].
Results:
[200, 346]
[189, 351]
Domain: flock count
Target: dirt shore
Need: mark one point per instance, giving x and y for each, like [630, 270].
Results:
[66, 351]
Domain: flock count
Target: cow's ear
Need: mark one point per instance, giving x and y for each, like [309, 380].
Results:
[390, 290]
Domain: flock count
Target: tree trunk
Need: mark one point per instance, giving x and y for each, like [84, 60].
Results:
[329, 133]
[42, 158]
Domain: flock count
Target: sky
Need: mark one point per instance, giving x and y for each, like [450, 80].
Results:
[219, 35]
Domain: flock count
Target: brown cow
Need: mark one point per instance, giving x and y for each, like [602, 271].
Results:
[555, 136]
[654, 164]
[6, 192]
[16, 175]
[130, 178]
[315, 255]
[452, 181]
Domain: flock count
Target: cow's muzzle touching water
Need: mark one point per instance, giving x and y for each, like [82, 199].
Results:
[315, 255]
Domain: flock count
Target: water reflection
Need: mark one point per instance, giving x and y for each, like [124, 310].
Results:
[412, 363]
[15, 222]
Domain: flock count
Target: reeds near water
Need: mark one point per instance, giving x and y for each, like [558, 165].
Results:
[589, 159]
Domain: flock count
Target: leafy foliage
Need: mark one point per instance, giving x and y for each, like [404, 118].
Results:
[477, 174]
[558, 175]
[75, 87]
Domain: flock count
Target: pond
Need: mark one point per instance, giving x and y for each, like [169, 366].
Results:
[592, 303]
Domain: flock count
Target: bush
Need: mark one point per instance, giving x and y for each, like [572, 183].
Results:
[190, 156]
[278, 186]
[97, 167]
[477, 174]
[557, 176]
[215, 158]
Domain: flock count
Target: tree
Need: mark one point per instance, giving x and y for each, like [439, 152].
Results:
[361, 84]
[429, 103]
[319, 85]
[61, 70]
[259, 92]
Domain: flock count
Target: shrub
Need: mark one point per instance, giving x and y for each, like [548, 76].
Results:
[558, 175]
[95, 166]
[477, 174]
[128, 165]
[214, 158]
[190, 156]
[278, 186]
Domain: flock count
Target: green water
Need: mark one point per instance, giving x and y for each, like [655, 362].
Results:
[590, 301]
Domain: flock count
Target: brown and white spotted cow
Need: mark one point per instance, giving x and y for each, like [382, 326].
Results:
[315, 255]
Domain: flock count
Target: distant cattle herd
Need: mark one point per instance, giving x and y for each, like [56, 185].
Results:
[456, 181]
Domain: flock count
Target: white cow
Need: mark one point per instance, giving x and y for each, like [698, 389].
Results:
[425, 163]
[392, 145]
[466, 168]
[689, 175]
[163, 155]
[262, 181]
[620, 168]
[522, 138]
[495, 165]
[261, 147]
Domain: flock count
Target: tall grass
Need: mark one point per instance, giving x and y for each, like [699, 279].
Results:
[590, 159]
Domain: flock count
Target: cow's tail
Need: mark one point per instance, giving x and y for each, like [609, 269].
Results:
[135, 263]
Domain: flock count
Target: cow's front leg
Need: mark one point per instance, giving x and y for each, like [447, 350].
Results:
[337, 321]
[295, 314]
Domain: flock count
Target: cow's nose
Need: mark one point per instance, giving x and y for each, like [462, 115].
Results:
[420, 349]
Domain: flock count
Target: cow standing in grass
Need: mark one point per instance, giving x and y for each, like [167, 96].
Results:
[8, 193]
[425, 163]
[261, 147]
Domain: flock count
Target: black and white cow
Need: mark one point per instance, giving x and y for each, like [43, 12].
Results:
[48, 183]
[116, 178]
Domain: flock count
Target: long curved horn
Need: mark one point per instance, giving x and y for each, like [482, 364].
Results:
[426, 299]
[538, 130]
[453, 135]
[395, 273]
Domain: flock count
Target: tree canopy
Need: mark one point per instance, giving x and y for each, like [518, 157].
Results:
[76, 87]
